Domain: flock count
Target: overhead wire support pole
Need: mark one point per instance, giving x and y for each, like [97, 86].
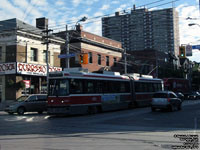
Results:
[46, 41]
[125, 61]
[68, 41]
[67, 48]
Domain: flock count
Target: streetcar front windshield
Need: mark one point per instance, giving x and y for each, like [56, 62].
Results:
[58, 87]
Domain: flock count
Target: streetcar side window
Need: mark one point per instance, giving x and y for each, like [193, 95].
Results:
[58, 87]
[124, 87]
[76, 86]
[63, 88]
[90, 84]
[99, 86]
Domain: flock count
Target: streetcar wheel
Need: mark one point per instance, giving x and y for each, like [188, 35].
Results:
[153, 109]
[92, 110]
[40, 112]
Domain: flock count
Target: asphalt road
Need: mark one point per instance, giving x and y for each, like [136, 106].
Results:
[135, 129]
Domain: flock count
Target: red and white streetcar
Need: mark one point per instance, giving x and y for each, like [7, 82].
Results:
[76, 91]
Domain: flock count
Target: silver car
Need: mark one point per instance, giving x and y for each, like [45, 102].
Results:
[166, 100]
[33, 103]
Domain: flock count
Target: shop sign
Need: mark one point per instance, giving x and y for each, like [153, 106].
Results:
[35, 69]
[8, 68]
[27, 83]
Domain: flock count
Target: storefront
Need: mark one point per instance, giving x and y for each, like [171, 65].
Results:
[18, 79]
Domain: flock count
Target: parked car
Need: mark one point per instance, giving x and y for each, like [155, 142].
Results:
[166, 100]
[194, 95]
[180, 95]
[33, 103]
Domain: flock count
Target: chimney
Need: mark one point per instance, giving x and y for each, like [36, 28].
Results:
[79, 27]
[117, 13]
[134, 7]
[42, 23]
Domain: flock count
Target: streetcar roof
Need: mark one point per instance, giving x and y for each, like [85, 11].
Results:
[107, 75]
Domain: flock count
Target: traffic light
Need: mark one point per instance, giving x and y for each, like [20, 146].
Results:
[182, 52]
[83, 58]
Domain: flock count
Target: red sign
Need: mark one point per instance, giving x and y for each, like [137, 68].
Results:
[34, 69]
[7, 68]
[27, 83]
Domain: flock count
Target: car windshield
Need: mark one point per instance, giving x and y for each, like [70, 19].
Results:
[22, 98]
[160, 95]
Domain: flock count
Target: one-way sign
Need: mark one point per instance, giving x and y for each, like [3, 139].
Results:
[66, 56]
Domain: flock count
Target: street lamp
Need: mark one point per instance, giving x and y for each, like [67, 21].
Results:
[68, 40]
[192, 24]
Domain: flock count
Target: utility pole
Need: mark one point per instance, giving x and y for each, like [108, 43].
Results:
[67, 47]
[125, 61]
[46, 41]
[157, 65]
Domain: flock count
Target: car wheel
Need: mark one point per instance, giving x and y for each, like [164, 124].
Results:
[40, 112]
[20, 110]
[10, 113]
[171, 108]
[153, 109]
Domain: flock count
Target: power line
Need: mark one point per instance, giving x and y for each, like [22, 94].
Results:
[28, 12]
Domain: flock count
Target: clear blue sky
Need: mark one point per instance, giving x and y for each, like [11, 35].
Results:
[62, 12]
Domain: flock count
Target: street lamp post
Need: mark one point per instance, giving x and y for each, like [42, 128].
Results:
[68, 40]
[192, 24]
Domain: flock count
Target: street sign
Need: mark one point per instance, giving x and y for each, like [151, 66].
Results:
[196, 47]
[66, 56]
[188, 50]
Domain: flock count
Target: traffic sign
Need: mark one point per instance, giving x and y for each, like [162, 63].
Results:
[188, 50]
[66, 55]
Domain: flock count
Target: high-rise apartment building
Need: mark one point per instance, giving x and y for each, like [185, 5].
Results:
[143, 29]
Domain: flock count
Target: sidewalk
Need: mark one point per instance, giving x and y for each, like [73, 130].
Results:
[2, 106]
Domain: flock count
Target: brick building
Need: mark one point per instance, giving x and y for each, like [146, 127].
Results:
[103, 53]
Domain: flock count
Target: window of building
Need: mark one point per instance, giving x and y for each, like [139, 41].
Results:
[115, 61]
[34, 52]
[45, 56]
[90, 57]
[107, 60]
[99, 59]
[0, 53]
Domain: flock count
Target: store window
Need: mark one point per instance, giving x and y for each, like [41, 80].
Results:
[34, 53]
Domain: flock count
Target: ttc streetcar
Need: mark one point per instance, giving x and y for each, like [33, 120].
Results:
[81, 92]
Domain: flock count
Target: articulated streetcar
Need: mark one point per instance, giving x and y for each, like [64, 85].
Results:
[79, 92]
